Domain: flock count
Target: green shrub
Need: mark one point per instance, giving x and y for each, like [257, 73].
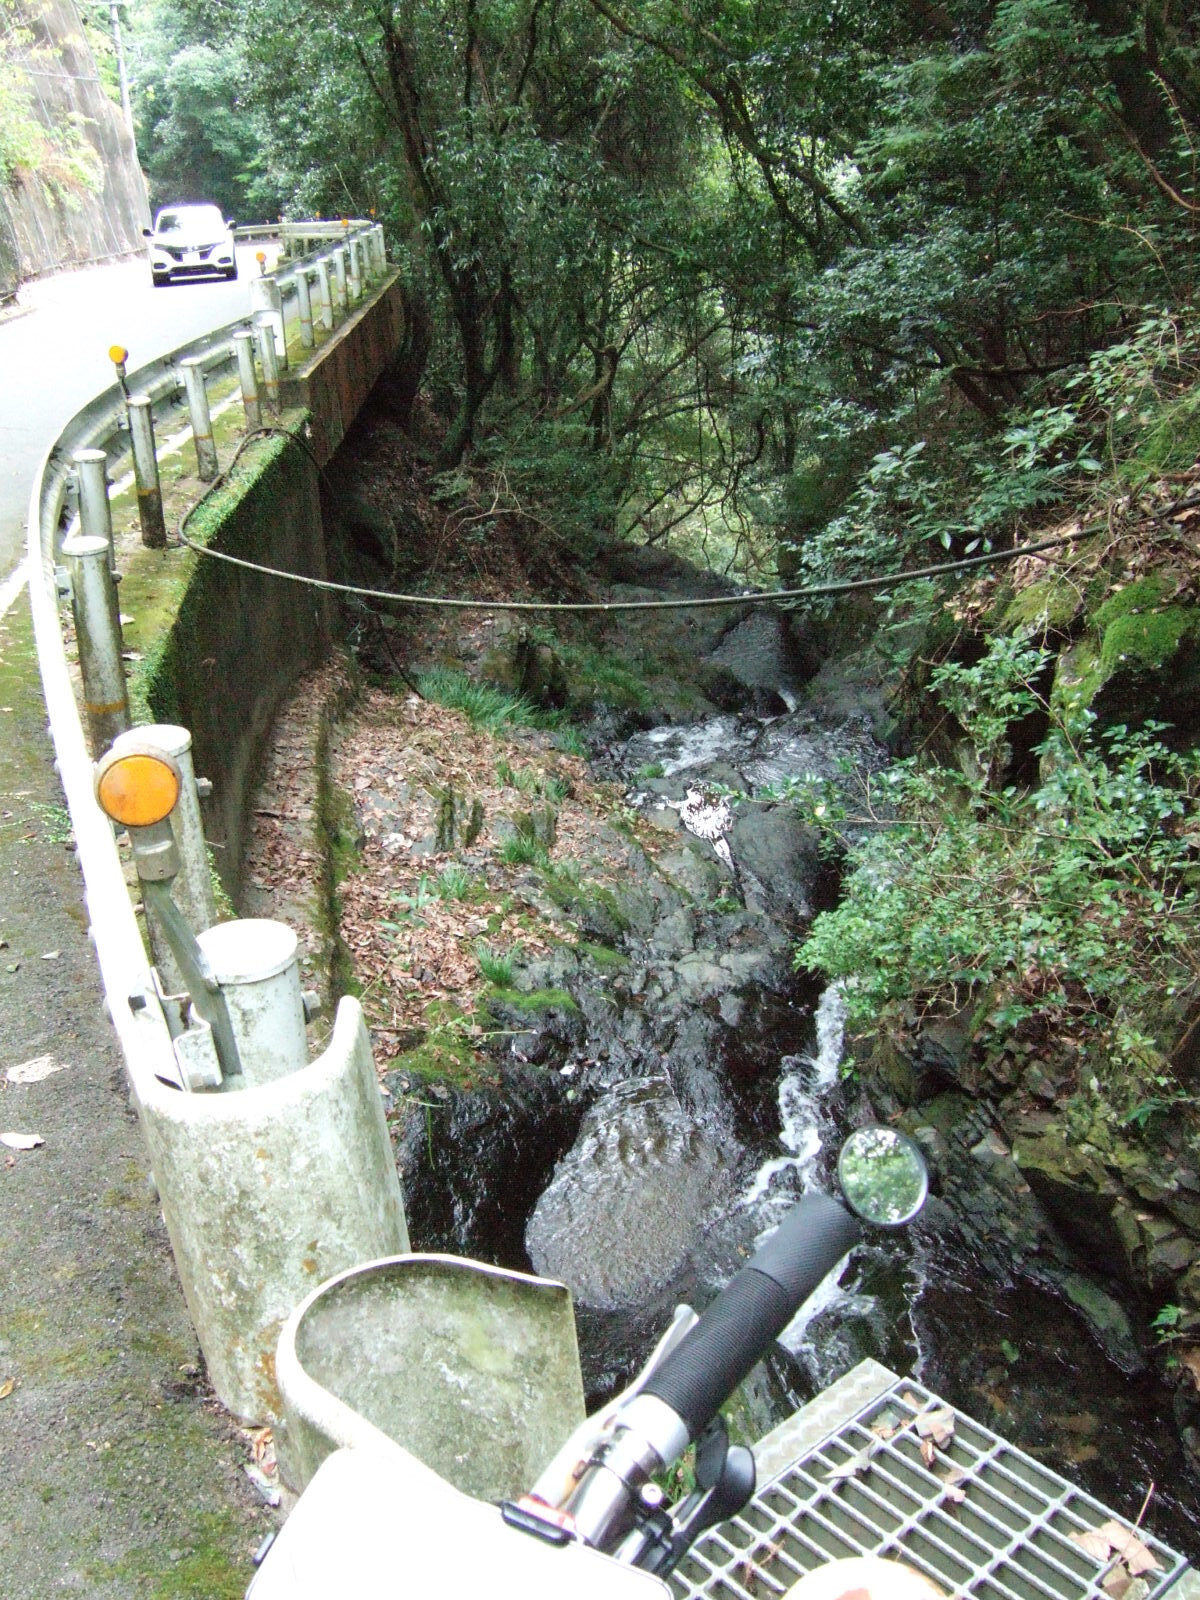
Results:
[1075, 898]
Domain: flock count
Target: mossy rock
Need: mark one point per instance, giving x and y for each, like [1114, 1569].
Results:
[1050, 607]
[1141, 658]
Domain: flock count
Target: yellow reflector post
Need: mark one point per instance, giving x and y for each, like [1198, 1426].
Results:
[118, 354]
[137, 787]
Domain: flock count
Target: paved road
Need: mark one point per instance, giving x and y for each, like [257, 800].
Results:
[55, 358]
[120, 1477]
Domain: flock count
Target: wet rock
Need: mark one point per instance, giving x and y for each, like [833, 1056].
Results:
[1076, 1188]
[1106, 1317]
[779, 860]
[474, 1163]
[761, 652]
[628, 1203]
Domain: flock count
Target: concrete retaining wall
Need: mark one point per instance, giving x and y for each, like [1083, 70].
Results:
[333, 388]
[239, 639]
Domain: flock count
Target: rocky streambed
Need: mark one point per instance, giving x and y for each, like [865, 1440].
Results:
[642, 1095]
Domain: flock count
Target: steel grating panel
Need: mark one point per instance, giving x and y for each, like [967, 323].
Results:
[978, 1517]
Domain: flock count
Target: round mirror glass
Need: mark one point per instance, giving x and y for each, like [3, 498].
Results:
[883, 1176]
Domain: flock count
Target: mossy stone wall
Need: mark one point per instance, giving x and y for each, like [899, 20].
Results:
[241, 639]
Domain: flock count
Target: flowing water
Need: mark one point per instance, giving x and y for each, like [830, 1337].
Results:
[520, 1175]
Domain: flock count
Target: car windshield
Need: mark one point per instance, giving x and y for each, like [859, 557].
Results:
[191, 219]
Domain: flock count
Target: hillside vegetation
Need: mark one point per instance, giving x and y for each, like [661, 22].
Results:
[828, 293]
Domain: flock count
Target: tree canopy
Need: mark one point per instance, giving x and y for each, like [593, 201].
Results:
[695, 266]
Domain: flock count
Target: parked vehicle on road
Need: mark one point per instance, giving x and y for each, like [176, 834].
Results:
[190, 241]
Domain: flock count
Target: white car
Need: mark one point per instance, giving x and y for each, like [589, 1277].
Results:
[190, 242]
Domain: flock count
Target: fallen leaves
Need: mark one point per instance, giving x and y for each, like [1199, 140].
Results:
[21, 1141]
[35, 1069]
[261, 1469]
[1127, 1557]
[934, 1429]
[7, 1387]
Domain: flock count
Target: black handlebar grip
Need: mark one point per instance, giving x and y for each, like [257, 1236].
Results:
[753, 1309]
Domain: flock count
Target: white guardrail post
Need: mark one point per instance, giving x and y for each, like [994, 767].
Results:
[285, 1176]
[97, 637]
[243, 343]
[264, 338]
[95, 514]
[145, 471]
[207, 466]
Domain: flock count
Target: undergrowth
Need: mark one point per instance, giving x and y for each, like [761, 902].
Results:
[1073, 898]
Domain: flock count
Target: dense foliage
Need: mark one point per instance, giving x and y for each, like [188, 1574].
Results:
[812, 292]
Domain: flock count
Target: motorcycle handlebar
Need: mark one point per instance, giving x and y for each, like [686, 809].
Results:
[753, 1309]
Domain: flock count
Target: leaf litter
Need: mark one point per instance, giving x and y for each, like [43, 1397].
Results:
[34, 1070]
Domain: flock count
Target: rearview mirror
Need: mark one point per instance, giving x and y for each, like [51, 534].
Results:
[883, 1176]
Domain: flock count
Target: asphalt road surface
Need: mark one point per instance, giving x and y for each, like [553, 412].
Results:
[121, 1479]
[54, 358]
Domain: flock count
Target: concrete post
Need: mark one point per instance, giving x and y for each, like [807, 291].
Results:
[95, 514]
[191, 888]
[257, 964]
[304, 299]
[264, 335]
[98, 636]
[339, 279]
[266, 300]
[243, 344]
[354, 271]
[325, 295]
[380, 244]
[145, 472]
[207, 465]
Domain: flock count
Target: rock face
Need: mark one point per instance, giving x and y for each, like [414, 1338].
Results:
[630, 1199]
[39, 230]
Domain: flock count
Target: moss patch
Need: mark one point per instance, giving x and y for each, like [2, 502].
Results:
[1139, 629]
[1051, 604]
[535, 1001]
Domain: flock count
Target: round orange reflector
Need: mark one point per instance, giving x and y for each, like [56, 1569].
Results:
[137, 787]
[118, 354]
[260, 255]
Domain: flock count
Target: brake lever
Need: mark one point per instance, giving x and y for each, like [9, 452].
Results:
[725, 1476]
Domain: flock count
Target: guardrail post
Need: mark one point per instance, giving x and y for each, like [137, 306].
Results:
[324, 295]
[243, 344]
[207, 465]
[355, 271]
[339, 279]
[98, 635]
[257, 964]
[306, 317]
[191, 888]
[264, 334]
[380, 248]
[95, 514]
[266, 300]
[145, 472]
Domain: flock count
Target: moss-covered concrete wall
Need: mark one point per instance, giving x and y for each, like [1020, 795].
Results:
[240, 639]
[333, 386]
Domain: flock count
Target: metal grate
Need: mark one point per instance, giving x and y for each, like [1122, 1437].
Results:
[981, 1519]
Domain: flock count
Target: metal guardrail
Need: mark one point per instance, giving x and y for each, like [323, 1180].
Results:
[125, 972]
[286, 1179]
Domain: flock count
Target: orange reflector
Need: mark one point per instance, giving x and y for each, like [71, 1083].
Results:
[137, 787]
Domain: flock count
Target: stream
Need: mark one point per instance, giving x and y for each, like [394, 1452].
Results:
[643, 1165]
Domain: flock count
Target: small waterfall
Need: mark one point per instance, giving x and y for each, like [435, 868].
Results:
[805, 1078]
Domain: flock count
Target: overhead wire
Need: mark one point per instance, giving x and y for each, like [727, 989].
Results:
[709, 602]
